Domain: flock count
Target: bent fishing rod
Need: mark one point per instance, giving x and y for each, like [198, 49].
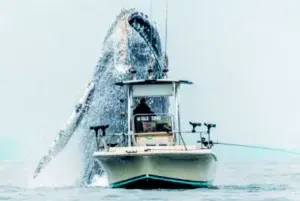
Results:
[256, 147]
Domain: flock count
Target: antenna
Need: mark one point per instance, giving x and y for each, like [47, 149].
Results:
[166, 26]
[150, 60]
[166, 62]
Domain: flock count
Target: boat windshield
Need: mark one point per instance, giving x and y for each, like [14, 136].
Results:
[144, 123]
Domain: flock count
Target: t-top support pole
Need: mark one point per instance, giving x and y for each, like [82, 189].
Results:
[129, 114]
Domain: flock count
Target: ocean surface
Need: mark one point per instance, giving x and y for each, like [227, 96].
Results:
[241, 178]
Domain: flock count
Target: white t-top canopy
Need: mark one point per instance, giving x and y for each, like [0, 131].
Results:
[159, 87]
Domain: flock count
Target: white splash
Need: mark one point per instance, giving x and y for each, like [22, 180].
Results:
[99, 181]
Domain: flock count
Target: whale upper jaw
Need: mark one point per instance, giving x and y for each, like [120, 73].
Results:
[141, 23]
[134, 35]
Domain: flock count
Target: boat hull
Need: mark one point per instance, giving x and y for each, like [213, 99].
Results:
[159, 169]
[159, 182]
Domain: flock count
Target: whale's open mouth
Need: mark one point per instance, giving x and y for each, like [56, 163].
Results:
[144, 27]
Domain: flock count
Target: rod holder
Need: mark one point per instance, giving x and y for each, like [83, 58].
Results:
[102, 127]
[165, 73]
[132, 72]
[150, 73]
[194, 124]
[165, 69]
[209, 126]
[96, 129]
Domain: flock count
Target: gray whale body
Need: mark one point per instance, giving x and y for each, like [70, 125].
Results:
[131, 41]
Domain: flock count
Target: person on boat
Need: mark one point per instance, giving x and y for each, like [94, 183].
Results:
[142, 108]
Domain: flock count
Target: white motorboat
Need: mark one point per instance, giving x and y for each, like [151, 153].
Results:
[156, 155]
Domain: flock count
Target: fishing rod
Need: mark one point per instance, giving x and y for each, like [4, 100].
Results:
[256, 147]
[209, 143]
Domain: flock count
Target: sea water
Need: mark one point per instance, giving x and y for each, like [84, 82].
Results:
[249, 175]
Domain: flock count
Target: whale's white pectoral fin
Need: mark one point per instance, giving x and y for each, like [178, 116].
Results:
[66, 133]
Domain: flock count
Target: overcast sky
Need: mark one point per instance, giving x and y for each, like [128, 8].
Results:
[242, 55]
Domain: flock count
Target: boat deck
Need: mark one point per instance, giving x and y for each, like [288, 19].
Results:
[155, 150]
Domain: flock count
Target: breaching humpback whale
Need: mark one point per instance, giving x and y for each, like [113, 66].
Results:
[131, 44]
